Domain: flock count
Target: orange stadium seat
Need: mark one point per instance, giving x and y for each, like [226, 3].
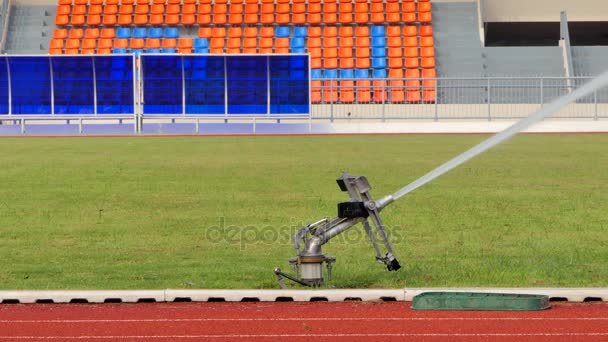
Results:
[157, 19]
[121, 43]
[315, 95]
[425, 17]
[250, 45]
[91, 33]
[104, 43]
[204, 32]
[95, 9]
[426, 31]
[76, 33]
[347, 91]
[330, 91]
[63, 10]
[109, 19]
[110, 9]
[60, 34]
[363, 91]
[409, 31]
[56, 43]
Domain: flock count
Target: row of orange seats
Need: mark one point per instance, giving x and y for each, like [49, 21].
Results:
[105, 45]
[232, 19]
[366, 91]
[91, 32]
[361, 60]
[186, 2]
[130, 2]
[238, 8]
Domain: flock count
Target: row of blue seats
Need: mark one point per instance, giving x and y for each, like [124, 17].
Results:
[142, 32]
[347, 73]
[173, 32]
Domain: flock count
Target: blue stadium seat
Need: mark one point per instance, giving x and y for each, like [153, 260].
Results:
[300, 31]
[378, 42]
[297, 62]
[378, 31]
[379, 52]
[139, 32]
[153, 51]
[379, 73]
[167, 50]
[201, 50]
[331, 73]
[362, 73]
[199, 63]
[379, 63]
[201, 43]
[119, 50]
[282, 32]
[171, 32]
[199, 74]
[298, 50]
[137, 52]
[315, 74]
[347, 73]
[155, 32]
[297, 43]
[123, 32]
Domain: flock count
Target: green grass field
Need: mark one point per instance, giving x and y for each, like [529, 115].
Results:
[127, 213]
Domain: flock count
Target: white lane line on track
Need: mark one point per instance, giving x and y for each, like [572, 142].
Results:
[297, 319]
[252, 336]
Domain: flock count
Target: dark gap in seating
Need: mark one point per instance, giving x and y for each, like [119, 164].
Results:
[10, 301]
[318, 299]
[284, 299]
[216, 299]
[522, 33]
[558, 299]
[250, 299]
[182, 299]
[588, 33]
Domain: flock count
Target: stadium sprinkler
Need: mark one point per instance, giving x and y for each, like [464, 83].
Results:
[361, 207]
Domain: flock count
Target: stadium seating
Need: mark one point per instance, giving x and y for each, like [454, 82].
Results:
[353, 44]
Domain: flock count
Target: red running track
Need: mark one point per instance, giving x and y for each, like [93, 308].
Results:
[346, 321]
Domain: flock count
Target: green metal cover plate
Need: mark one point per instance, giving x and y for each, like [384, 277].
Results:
[480, 301]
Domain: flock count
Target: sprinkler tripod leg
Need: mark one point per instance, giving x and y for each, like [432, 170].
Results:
[280, 274]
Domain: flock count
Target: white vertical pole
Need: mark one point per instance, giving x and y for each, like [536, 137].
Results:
[94, 86]
[52, 86]
[225, 87]
[10, 87]
[183, 87]
[268, 85]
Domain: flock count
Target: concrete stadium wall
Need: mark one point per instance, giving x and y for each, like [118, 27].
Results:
[544, 10]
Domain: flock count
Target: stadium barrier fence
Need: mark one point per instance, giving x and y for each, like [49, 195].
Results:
[254, 91]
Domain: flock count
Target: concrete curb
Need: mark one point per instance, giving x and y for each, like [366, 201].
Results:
[110, 296]
[170, 295]
[286, 295]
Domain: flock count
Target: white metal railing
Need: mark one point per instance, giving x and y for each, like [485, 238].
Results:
[450, 98]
